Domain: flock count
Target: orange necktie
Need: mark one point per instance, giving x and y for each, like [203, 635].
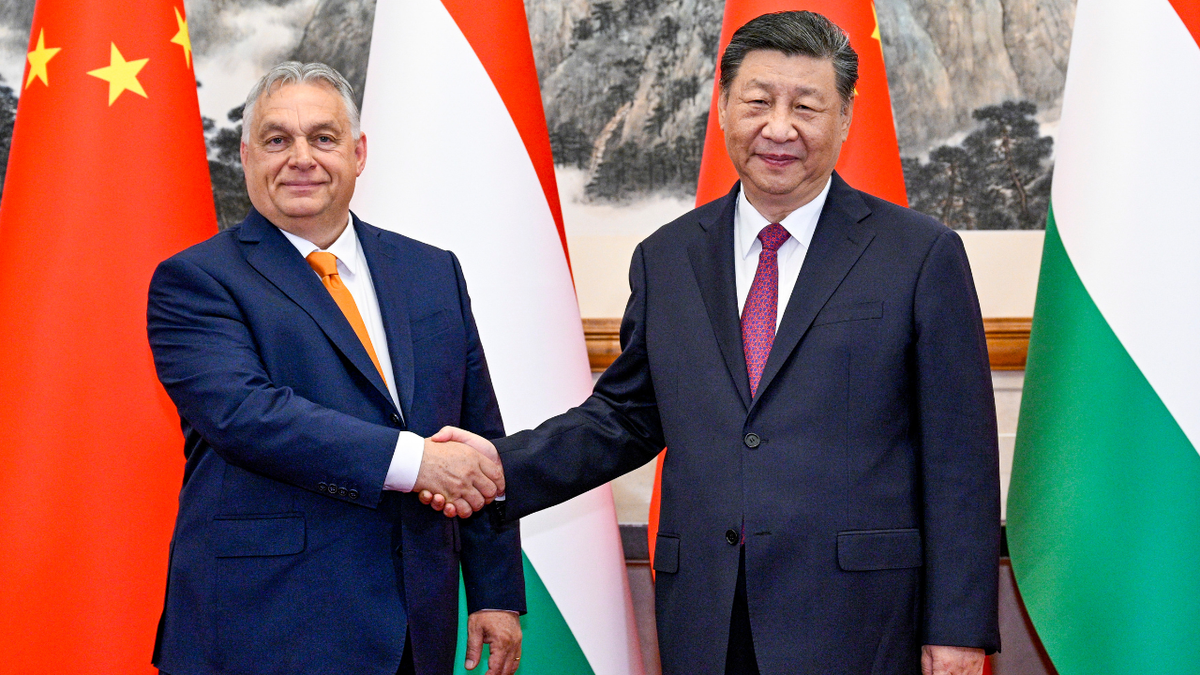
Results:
[325, 264]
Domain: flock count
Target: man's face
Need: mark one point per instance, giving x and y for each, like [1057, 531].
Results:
[784, 125]
[301, 160]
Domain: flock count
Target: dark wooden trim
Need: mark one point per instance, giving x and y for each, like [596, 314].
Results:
[1007, 338]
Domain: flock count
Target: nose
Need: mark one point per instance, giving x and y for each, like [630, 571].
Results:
[779, 127]
[301, 157]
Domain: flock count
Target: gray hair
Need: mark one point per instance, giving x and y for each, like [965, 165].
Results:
[794, 34]
[294, 72]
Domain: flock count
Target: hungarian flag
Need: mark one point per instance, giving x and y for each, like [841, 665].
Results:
[106, 177]
[870, 158]
[460, 158]
[1104, 504]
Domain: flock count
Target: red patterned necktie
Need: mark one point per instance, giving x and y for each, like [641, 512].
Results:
[762, 304]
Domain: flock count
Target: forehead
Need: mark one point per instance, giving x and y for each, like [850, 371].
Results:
[301, 103]
[776, 70]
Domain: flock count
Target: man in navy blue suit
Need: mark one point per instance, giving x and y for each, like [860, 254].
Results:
[814, 360]
[310, 355]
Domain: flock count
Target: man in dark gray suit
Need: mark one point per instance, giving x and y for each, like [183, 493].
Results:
[815, 361]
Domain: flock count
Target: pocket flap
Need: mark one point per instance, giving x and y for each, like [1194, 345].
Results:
[863, 550]
[257, 535]
[851, 312]
[666, 553]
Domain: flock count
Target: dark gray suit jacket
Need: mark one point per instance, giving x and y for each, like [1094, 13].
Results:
[865, 472]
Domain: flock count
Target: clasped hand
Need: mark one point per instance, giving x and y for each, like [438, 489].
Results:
[460, 473]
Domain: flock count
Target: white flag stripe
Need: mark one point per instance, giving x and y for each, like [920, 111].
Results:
[1124, 202]
[446, 165]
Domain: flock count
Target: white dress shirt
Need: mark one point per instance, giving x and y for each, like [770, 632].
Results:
[748, 222]
[352, 268]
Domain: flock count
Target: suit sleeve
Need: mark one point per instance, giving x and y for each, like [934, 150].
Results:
[492, 568]
[207, 360]
[956, 421]
[614, 431]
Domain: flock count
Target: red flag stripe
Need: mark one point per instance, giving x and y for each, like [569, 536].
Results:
[499, 33]
[1189, 11]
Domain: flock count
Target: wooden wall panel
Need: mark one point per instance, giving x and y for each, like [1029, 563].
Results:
[1007, 338]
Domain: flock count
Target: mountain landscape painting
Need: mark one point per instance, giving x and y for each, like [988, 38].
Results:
[976, 88]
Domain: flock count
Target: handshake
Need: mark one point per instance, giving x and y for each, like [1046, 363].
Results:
[460, 473]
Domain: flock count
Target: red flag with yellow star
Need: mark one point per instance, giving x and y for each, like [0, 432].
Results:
[107, 176]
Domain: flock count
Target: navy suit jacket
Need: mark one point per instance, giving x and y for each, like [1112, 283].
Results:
[864, 474]
[288, 556]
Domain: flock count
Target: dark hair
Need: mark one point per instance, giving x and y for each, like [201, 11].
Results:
[794, 34]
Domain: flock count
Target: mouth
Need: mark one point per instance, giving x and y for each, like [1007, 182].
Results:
[301, 186]
[777, 161]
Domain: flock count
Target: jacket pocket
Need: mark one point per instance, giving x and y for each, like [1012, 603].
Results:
[257, 535]
[849, 312]
[865, 550]
[666, 553]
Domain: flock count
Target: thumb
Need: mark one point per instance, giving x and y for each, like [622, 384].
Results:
[474, 645]
[443, 435]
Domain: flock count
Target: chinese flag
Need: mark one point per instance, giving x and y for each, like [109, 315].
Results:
[106, 177]
[870, 157]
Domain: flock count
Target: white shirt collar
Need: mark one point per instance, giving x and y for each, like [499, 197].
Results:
[800, 223]
[345, 247]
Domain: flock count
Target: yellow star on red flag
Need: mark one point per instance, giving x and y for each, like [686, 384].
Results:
[182, 38]
[38, 58]
[121, 75]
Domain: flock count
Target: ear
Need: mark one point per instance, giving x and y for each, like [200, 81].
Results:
[243, 151]
[360, 153]
[722, 105]
[847, 116]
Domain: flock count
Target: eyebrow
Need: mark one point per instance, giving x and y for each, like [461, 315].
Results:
[324, 126]
[802, 91]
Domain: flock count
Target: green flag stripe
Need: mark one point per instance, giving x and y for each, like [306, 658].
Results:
[548, 647]
[1104, 508]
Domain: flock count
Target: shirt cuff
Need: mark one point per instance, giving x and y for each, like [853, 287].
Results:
[406, 463]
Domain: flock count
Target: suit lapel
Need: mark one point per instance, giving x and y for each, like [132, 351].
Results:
[712, 262]
[836, 246]
[269, 252]
[386, 275]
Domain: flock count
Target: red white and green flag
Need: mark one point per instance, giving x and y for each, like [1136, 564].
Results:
[1104, 505]
[107, 176]
[460, 158]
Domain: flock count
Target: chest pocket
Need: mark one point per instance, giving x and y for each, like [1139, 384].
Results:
[857, 311]
[432, 325]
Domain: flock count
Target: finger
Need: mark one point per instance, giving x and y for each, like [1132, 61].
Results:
[439, 502]
[444, 434]
[426, 497]
[463, 509]
[486, 488]
[474, 645]
[476, 500]
[450, 511]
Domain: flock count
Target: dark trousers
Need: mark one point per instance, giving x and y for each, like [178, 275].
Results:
[740, 659]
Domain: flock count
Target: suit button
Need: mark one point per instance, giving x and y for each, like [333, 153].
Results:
[353, 494]
[342, 492]
[752, 440]
[732, 537]
[321, 487]
[395, 419]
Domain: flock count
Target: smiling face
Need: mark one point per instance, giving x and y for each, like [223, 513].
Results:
[784, 126]
[301, 161]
